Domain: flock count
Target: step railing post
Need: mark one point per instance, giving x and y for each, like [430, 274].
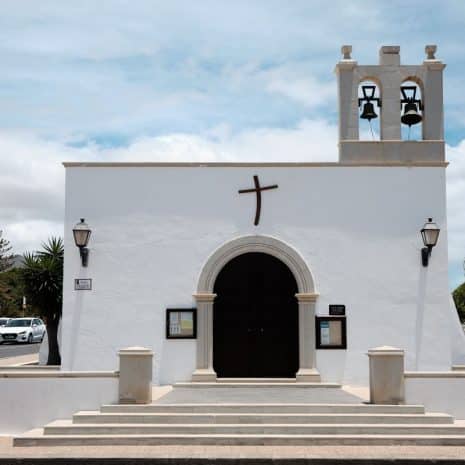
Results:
[135, 375]
[386, 375]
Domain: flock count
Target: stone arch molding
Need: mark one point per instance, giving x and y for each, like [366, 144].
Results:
[264, 244]
[306, 297]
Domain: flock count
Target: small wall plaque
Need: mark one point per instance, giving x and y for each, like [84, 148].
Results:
[337, 310]
[83, 284]
[331, 332]
[181, 323]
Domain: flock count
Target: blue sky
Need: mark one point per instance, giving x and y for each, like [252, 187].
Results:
[205, 80]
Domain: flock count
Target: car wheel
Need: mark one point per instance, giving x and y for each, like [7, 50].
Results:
[29, 339]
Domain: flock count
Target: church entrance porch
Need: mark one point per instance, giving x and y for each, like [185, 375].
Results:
[255, 319]
[306, 297]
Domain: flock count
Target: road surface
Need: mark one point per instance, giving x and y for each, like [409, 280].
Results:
[14, 350]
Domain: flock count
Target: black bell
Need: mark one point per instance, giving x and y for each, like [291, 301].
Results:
[411, 115]
[368, 111]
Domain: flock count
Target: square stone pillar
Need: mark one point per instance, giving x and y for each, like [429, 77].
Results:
[386, 375]
[390, 79]
[204, 370]
[307, 360]
[347, 95]
[433, 114]
[135, 375]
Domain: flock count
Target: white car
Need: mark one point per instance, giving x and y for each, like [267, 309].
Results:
[4, 320]
[22, 330]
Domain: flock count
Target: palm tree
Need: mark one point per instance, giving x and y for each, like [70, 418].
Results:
[43, 285]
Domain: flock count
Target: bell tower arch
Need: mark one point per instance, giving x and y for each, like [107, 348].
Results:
[391, 75]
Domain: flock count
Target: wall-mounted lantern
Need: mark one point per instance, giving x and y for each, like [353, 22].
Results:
[81, 233]
[429, 234]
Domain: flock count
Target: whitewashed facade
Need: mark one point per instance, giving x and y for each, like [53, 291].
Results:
[349, 231]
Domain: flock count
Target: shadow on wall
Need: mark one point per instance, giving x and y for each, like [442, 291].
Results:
[43, 351]
[457, 334]
[422, 282]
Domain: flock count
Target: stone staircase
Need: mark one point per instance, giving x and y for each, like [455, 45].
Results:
[247, 414]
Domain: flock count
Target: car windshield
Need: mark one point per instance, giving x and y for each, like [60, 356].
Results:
[3, 321]
[17, 323]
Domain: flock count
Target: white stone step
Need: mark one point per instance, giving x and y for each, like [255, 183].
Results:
[262, 408]
[256, 380]
[238, 392]
[251, 383]
[259, 418]
[35, 438]
[66, 427]
[458, 367]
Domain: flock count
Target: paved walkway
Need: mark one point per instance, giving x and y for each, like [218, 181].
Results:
[20, 360]
[282, 394]
[389, 453]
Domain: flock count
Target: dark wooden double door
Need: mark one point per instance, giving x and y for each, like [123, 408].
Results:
[255, 319]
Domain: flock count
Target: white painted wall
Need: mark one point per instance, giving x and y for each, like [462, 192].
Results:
[357, 228]
[438, 392]
[30, 401]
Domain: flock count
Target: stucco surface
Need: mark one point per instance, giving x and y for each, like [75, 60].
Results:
[30, 401]
[357, 228]
[441, 393]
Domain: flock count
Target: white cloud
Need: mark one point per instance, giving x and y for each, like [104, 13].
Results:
[301, 87]
[103, 68]
[32, 176]
[30, 234]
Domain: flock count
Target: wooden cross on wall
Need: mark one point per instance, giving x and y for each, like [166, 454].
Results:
[258, 190]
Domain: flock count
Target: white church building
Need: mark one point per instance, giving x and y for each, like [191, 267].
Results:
[273, 270]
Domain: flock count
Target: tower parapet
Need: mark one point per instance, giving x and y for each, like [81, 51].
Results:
[393, 96]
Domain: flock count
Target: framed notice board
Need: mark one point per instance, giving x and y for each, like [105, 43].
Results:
[181, 323]
[331, 332]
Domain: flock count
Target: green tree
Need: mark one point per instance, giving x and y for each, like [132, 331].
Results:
[42, 276]
[459, 299]
[6, 258]
[11, 293]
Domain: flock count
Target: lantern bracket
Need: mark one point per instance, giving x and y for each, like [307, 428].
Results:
[425, 254]
[84, 253]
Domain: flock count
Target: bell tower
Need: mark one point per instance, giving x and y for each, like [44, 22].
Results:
[396, 104]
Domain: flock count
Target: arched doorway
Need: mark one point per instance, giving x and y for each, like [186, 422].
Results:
[255, 318]
[205, 298]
